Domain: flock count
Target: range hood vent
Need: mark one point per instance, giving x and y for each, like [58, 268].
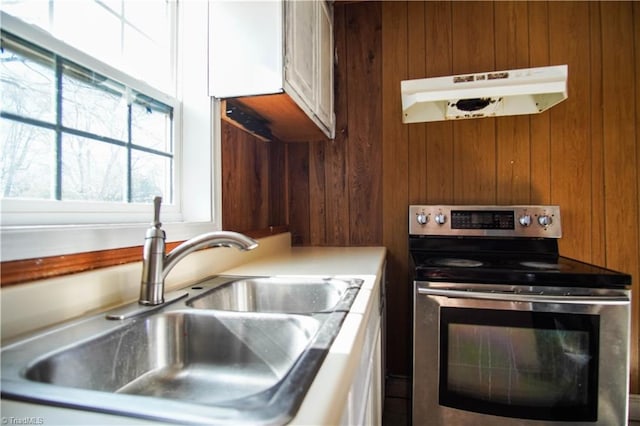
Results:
[490, 94]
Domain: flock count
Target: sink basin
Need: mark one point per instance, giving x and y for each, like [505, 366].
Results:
[292, 295]
[227, 350]
[199, 358]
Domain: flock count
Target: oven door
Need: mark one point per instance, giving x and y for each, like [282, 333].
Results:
[490, 354]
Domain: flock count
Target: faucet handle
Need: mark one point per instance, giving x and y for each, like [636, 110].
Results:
[157, 202]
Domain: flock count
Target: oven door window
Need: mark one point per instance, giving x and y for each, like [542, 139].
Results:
[524, 364]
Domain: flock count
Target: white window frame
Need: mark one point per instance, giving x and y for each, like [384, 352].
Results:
[197, 186]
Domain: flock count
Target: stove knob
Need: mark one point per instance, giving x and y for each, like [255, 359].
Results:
[525, 220]
[422, 218]
[544, 220]
[440, 219]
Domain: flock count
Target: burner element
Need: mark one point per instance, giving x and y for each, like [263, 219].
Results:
[458, 263]
[542, 265]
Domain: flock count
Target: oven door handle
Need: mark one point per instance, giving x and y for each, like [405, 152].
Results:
[529, 298]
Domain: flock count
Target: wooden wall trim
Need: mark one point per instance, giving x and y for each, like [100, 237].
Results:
[635, 333]
[21, 271]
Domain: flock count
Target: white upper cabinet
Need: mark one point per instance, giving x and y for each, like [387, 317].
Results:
[300, 44]
[325, 66]
[276, 58]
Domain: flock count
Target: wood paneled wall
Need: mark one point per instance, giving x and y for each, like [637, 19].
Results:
[344, 181]
[253, 181]
[583, 154]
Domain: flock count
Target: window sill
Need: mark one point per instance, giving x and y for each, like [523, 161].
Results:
[25, 270]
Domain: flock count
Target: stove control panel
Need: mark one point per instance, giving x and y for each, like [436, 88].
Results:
[489, 221]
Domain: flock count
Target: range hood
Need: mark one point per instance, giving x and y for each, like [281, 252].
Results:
[489, 94]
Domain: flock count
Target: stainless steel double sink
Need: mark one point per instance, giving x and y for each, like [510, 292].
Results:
[226, 350]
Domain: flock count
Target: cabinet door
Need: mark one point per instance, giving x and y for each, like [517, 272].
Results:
[301, 57]
[325, 66]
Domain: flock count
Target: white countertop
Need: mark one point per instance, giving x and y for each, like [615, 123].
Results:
[325, 401]
[317, 261]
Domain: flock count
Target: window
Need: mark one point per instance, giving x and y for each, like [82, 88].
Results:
[69, 133]
[136, 37]
[90, 133]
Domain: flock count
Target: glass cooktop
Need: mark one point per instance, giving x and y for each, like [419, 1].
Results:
[543, 270]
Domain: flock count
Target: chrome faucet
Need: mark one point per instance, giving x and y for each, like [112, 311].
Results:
[156, 265]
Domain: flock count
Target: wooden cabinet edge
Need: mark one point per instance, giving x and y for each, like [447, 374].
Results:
[288, 121]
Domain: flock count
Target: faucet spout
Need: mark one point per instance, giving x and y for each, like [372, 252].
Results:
[210, 239]
[156, 265]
